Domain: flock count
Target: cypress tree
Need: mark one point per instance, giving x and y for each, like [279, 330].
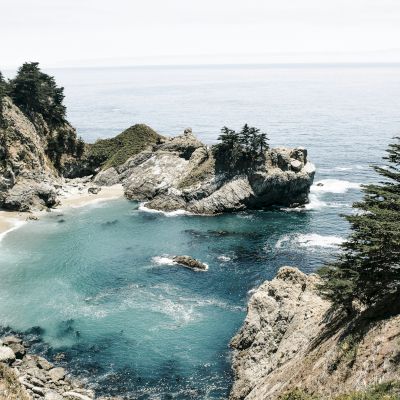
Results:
[368, 269]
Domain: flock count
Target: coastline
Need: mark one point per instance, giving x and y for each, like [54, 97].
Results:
[73, 196]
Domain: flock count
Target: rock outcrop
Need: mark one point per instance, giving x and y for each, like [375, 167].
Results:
[27, 176]
[27, 377]
[190, 262]
[179, 173]
[290, 341]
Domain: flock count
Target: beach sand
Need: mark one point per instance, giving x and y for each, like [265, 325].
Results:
[72, 197]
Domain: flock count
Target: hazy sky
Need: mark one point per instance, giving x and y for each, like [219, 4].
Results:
[89, 32]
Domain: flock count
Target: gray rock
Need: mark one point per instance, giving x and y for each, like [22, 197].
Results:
[18, 349]
[6, 355]
[283, 316]
[94, 189]
[190, 262]
[296, 165]
[43, 363]
[56, 374]
[52, 395]
[168, 179]
[76, 396]
[7, 340]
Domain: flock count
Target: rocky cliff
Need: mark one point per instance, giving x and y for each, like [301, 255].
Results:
[179, 174]
[167, 173]
[292, 341]
[27, 176]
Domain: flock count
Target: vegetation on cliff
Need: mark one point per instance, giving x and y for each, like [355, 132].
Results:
[368, 269]
[115, 151]
[37, 95]
[240, 151]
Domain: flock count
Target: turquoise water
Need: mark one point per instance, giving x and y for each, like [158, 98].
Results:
[96, 282]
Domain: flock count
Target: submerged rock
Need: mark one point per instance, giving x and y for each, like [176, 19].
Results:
[190, 262]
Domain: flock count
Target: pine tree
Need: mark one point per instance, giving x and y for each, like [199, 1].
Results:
[368, 269]
[34, 91]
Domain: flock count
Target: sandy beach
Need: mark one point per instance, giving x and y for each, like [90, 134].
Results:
[72, 196]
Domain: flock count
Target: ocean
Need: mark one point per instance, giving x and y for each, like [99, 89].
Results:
[97, 284]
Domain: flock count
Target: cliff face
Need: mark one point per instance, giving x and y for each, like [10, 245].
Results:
[288, 342]
[27, 176]
[180, 173]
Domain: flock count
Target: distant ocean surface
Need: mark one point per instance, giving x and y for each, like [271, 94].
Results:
[97, 283]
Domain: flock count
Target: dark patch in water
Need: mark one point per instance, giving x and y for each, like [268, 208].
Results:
[60, 221]
[66, 328]
[110, 223]
[223, 234]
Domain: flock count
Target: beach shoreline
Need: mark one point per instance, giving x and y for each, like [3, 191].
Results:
[72, 196]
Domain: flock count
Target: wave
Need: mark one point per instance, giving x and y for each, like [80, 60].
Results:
[15, 225]
[163, 260]
[309, 240]
[176, 213]
[224, 258]
[333, 186]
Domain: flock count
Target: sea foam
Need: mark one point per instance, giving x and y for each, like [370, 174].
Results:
[333, 186]
[309, 240]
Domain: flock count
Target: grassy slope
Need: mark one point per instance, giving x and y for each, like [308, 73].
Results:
[115, 151]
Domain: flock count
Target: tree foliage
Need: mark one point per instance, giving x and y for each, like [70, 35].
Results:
[368, 269]
[36, 92]
[240, 151]
[3, 86]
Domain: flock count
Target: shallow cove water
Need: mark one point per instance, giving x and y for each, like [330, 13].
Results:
[97, 282]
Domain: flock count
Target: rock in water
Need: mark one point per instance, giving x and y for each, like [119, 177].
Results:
[180, 173]
[190, 262]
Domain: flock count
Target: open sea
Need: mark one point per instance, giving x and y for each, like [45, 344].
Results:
[96, 283]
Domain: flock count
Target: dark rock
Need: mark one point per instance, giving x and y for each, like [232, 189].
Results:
[190, 262]
[94, 189]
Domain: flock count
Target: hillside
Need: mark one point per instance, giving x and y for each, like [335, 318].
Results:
[107, 153]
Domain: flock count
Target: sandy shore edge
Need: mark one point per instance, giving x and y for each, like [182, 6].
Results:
[72, 196]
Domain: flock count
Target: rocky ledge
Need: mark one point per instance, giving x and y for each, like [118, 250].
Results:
[180, 174]
[26, 377]
[290, 341]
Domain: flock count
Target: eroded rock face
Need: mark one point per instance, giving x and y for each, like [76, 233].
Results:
[284, 344]
[180, 174]
[27, 177]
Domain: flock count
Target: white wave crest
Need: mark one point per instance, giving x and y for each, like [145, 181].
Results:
[15, 225]
[142, 207]
[224, 258]
[163, 260]
[333, 186]
[309, 240]
[316, 240]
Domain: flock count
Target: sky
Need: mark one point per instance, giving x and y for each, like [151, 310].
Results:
[142, 32]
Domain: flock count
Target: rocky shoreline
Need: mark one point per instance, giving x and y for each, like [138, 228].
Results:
[25, 376]
[293, 342]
